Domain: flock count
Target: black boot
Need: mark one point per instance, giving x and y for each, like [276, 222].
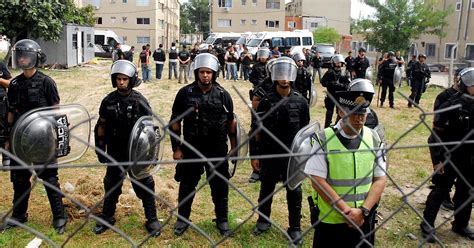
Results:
[57, 206]
[221, 210]
[184, 209]
[465, 231]
[427, 233]
[295, 235]
[9, 225]
[152, 225]
[108, 212]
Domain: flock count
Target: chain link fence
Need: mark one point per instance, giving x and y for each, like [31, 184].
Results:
[396, 200]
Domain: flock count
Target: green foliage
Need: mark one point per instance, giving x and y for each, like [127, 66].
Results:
[397, 22]
[195, 16]
[326, 35]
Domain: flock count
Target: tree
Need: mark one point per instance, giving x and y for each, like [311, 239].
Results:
[326, 35]
[397, 22]
[40, 19]
[195, 16]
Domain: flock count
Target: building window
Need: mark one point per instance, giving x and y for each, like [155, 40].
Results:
[143, 2]
[98, 20]
[124, 19]
[447, 51]
[272, 24]
[458, 6]
[273, 4]
[244, 2]
[472, 4]
[470, 52]
[161, 6]
[161, 24]
[222, 23]
[124, 1]
[430, 49]
[143, 39]
[143, 21]
[254, 22]
[354, 45]
[291, 24]
[74, 41]
[224, 3]
[89, 38]
[243, 21]
[113, 19]
[313, 25]
[111, 1]
[254, 2]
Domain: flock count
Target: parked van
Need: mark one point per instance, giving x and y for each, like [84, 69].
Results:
[220, 38]
[244, 38]
[105, 41]
[293, 40]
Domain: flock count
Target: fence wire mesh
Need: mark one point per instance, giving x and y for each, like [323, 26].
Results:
[400, 210]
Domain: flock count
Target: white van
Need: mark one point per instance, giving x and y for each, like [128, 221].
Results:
[105, 41]
[293, 40]
[244, 38]
[220, 38]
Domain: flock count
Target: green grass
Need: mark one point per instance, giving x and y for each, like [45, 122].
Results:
[87, 85]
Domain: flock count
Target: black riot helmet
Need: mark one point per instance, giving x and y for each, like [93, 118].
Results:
[127, 68]
[390, 54]
[362, 49]
[27, 54]
[421, 55]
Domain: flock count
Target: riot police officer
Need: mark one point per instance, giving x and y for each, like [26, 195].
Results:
[5, 78]
[208, 121]
[283, 121]
[303, 77]
[30, 90]
[360, 65]
[454, 162]
[118, 113]
[419, 76]
[334, 81]
[386, 72]
[344, 215]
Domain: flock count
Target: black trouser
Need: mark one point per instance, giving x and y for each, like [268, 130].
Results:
[416, 91]
[113, 182]
[189, 174]
[22, 188]
[387, 83]
[330, 105]
[339, 235]
[273, 171]
[442, 186]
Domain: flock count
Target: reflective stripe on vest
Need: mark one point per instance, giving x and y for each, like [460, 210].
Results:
[350, 174]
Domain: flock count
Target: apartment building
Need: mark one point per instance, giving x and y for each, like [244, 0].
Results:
[139, 22]
[460, 31]
[247, 15]
[311, 14]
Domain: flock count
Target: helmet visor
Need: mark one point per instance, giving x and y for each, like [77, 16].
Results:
[24, 59]
[283, 71]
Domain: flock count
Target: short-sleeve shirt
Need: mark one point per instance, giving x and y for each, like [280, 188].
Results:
[317, 164]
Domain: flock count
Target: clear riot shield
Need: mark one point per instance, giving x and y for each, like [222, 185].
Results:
[51, 134]
[368, 73]
[145, 147]
[397, 75]
[313, 96]
[301, 145]
[242, 143]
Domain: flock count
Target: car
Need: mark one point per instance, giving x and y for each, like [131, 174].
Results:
[326, 51]
[437, 67]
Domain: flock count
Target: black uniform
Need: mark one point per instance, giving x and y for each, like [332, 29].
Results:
[452, 126]
[420, 75]
[206, 129]
[316, 63]
[25, 94]
[386, 72]
[284, 122]
[334, 81]
[303, 82]
[349, 63]
[117, 115]
[360, 66]
[194, 52]
[5, 74]
[408, 71]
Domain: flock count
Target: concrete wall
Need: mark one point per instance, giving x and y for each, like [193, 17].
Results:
[249, 17]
